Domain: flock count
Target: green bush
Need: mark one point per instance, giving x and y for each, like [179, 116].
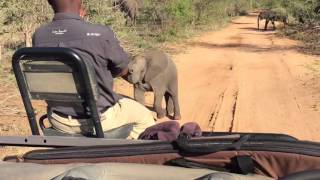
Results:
[180, 12]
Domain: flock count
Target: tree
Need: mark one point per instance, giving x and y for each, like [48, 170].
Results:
[23, 17]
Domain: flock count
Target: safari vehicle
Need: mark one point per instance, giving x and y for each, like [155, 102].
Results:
[104, 155]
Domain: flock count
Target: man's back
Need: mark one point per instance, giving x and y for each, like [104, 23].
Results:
[96, 44]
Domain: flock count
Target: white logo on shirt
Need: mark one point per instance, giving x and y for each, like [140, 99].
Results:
[59, 31]
[94, 34]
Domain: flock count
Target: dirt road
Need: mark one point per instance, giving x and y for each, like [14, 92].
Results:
[243, 80]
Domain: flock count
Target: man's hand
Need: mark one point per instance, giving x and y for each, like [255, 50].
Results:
[124, 74]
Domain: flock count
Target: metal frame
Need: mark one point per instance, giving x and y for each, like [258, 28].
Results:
[60, 142]
[64, 55]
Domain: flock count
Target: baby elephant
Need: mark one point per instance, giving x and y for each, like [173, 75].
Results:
[155, 71]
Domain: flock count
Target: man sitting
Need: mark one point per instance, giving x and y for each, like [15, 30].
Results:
[98, 46]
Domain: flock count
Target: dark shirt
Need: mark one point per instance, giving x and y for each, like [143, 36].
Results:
[96, 44]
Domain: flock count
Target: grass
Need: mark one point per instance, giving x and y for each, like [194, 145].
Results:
[315, 68]
[308, 35]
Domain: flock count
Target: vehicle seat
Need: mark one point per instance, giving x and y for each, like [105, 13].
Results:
[59, 75]
[118, 133]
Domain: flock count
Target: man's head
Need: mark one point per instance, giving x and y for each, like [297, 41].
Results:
[59, 6]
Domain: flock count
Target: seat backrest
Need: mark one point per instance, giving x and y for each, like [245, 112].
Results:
[56, 81]
[55, 75]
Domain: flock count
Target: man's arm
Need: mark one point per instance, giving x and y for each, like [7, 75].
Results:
[118, 59]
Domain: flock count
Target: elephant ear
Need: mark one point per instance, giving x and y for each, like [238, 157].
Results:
[156, 64]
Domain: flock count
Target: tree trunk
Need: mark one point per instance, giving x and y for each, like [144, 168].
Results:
[28, 38]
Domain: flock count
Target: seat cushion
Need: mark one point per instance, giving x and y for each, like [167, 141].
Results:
[118, 133]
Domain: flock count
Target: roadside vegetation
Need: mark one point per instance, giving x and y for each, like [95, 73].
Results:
[158, 21]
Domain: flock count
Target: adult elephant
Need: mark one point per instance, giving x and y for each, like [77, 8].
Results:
[155, 71]
[270, 15]
[130, 8]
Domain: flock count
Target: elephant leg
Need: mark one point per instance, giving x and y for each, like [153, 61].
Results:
[177, 115]
[173, 91]
[139, 95]
[274, 25]
[158, 96]
[128, 20]
[134, 20]
[169, 104]
[266, 25]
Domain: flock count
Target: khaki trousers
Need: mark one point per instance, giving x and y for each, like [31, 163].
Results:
[126, 111]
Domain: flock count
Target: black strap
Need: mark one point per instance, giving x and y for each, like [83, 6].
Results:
[73, 117]
[182, 162]
[187, 145]
[243, 165]
[239, 164]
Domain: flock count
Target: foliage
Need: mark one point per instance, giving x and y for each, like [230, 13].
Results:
[158, 21]
[17, 18]
[18, 22]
